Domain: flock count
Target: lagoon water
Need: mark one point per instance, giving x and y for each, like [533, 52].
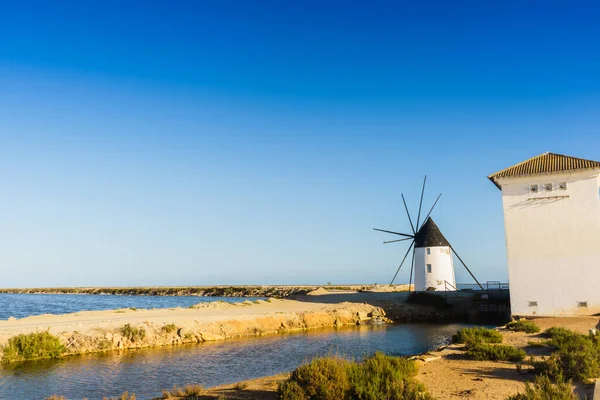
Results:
[146, 372]
[25, 305]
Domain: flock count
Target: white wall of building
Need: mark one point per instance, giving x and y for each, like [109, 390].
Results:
[553, 243]
[442, 268]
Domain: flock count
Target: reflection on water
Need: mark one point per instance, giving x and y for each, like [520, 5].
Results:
[147, 371]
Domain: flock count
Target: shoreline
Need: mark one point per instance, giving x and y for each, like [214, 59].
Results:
[276, 291]
[100, 331]
[446, 373]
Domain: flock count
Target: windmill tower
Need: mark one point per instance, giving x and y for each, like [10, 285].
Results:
[432, 260]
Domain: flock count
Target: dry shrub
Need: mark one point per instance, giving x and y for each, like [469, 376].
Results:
[544, 389]
[186, 392]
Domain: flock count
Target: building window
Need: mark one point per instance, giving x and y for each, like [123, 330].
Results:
[562, 186]
[533, 304]
[428, 268]
[548, 187]
[533, 188]
[428, 251]
[582, 304]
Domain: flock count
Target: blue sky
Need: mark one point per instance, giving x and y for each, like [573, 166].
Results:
[230, 142]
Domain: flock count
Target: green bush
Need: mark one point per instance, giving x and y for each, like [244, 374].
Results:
[132, 333]
[291, 390]
[523, 325]
[498, 352]
[544, 389]
[477, 334]
[322, 378]
[559, 337]
[32, 346]
[576, 357]
[385, 377]
[378, 377]
[428, 299]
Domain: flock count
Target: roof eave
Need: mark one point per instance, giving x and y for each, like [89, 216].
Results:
[493, 180]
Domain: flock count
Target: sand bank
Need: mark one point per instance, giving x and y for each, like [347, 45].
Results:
[92, 331]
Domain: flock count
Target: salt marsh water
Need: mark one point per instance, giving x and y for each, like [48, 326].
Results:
[146, 372]
[25, 305]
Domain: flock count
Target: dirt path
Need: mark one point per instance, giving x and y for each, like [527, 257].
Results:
[450, 375]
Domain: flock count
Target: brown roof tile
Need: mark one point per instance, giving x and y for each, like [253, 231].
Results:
[547, 162]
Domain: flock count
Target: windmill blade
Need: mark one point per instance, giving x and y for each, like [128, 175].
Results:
[465, 265]
[404, 259]
[399, 240]
[429, 213]
[407, 213]
[421, 202]
[412, 265]
[395, 233]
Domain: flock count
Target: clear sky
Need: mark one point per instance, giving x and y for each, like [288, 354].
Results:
[233, 142]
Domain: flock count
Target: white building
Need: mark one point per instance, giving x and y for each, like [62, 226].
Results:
[552, 220]
[434, 267]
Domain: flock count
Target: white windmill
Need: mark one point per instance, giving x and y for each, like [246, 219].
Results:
[432, 260]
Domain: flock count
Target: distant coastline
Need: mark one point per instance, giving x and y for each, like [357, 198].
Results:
[277, 291]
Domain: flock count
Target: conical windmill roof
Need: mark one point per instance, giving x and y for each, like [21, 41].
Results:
[430, 235]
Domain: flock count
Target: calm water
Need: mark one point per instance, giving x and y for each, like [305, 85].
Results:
[147, 371]
[24, 305]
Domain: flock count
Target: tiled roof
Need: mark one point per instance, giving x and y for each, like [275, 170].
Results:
[547, 162]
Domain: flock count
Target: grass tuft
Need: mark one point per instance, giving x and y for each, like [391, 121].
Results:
[538, 344]
[132, 333]
[495, 352]
[32, 346]
[477, 334]
[169, 328]
[186, 392]
[523, 325]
